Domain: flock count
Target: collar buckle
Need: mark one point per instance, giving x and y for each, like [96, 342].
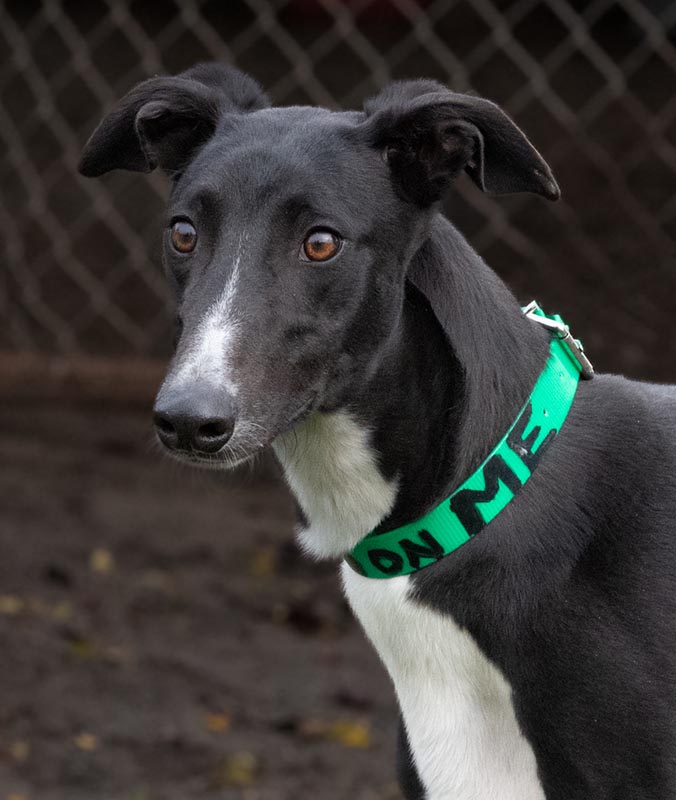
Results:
[559, 328]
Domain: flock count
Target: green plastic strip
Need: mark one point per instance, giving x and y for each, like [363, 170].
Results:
[477, 501]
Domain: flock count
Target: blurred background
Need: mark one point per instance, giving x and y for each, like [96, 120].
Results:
[161, 636]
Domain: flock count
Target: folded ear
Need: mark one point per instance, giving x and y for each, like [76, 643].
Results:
[163, 121]
[429, 135]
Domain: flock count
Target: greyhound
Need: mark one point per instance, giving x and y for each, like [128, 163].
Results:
[506, 528]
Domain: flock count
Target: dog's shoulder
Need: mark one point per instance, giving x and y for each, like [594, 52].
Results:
[630, 424]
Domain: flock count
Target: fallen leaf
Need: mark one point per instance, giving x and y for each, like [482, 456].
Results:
[264, 562]
[19, 751]
[86, 741]
[101, 560]
[238, 769]
[351, 734]
[141, 793]
[83, 649]
[217, 723]
[62, 612]
[11, 605]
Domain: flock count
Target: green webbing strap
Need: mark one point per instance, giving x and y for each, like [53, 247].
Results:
[478, 500]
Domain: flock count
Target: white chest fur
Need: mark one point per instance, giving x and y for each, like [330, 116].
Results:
[333, 471]
[457, 706]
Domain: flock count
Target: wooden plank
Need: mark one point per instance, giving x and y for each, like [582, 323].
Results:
[32, 376]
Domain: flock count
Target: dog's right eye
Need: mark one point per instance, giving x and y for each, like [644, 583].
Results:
[183, 236]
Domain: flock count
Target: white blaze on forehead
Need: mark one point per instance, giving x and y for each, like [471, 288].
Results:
[209, 353]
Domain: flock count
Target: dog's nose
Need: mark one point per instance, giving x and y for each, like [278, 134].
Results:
[200, 422]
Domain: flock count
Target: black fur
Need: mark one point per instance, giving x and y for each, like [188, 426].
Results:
[409, 780]
[429, 135]
[163, 121]
[571, 591]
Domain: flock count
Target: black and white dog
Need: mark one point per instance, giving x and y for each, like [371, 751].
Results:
[327, 308]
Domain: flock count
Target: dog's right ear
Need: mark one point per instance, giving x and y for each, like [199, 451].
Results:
[163, 121]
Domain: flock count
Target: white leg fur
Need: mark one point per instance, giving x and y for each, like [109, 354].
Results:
[456, 704]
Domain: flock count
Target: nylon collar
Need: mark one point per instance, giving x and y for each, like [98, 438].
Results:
[490, 489]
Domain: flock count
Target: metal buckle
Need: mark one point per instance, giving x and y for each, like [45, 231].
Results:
[563, 332]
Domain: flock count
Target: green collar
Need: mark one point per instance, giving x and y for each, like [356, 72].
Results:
[479, 499]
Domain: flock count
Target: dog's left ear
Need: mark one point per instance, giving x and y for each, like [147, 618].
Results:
[429, 135]
[163, 121]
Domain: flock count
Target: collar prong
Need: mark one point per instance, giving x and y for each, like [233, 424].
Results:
[557, 326]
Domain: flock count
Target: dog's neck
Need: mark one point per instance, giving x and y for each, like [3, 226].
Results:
[455, 375]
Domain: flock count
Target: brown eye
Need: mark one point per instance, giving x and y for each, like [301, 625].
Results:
[321, 246]
[183, 236]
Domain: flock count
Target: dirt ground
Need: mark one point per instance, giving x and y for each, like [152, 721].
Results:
[161, 636]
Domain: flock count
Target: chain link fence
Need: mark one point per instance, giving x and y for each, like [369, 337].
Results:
[592, 82]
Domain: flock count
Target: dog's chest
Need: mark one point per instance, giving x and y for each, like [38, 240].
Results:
[457, 706]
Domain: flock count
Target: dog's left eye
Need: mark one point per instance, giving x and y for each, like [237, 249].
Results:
[183, 236]
[320, 245]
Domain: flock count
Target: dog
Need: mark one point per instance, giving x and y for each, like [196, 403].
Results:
[327, 308]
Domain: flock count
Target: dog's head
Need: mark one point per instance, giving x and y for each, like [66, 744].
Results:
[289, 234]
